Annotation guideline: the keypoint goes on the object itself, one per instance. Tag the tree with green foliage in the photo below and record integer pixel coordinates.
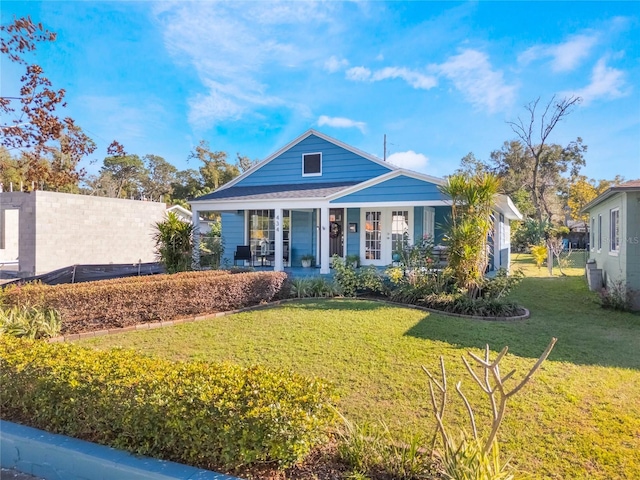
(215, 169)
(468, 227)
(173, 239)
(159, 179)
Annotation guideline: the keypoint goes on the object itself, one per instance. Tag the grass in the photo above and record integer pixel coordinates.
(579, 418)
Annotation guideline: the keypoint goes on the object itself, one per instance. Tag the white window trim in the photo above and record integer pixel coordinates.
(312, 174)
(599, 233)
(592, 235)
(616, 252)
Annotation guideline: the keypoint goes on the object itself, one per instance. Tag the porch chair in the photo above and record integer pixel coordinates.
(243, 252)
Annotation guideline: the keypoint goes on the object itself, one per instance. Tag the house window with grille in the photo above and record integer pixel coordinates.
(311, 164)
(614, 234)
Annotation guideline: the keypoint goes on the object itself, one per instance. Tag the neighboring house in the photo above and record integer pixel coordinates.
(43, 231)
(615, 236)
(186, 216)
(319, 196)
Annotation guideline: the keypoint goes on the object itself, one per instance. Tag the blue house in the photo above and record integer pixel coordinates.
(320, 197)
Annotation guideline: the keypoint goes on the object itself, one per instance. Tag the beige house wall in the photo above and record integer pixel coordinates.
(60, 229)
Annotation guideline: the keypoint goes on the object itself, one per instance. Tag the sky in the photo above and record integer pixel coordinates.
(439, 79)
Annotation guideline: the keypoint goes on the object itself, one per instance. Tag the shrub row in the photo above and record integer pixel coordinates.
(123, 302)
(216, 416)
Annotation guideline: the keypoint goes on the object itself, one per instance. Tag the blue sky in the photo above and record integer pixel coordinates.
(440, 79)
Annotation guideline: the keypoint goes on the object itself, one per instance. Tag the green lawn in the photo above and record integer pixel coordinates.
(579, 418)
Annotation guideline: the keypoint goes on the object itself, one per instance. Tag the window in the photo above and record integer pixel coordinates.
(614, 230)
(599, 232)
(593, 234)
(399, 230)
(262, 231)
(311, 164)
(429, 221)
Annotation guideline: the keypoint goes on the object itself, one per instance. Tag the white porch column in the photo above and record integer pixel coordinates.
(279, 264)
(324, 240)
(195, 253)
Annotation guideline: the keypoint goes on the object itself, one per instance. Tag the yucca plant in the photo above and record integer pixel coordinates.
(173, 239)
(467, 231)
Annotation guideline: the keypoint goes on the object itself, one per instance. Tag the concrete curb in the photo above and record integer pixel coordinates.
(57, 457)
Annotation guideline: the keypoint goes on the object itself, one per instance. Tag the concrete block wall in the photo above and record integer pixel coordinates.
(60, 229)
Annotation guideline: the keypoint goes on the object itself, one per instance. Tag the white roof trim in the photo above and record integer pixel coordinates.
(383, 178)
(180, 209)
(505, 206)
(291, 144)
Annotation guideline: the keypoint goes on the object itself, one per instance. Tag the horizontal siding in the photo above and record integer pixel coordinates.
(302, 238)
(233, 234)
(399, 189)
(353, 239)
(338, 165)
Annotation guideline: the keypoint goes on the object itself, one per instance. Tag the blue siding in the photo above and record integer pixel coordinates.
(418, 224)
(398, 189)
(302, 236)
(338, 165)
(233, 234)
(353, 239)
(441, 219)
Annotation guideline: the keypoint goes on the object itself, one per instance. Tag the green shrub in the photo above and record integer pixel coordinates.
(345, 276)
(539, 253)
(29, 322)
(500, 285)
(208, 415)
(618, 296)
(173, 239)
(462, 304)
(123, 302)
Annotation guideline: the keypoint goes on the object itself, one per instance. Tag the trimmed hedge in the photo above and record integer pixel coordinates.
(123, 302)
(216, 416)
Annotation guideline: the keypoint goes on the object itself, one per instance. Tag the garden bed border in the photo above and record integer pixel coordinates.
(197, 318)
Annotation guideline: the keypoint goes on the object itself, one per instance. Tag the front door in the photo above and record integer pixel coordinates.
(385, 230)
(336, 232)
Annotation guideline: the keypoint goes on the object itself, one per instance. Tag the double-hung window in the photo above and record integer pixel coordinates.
(614, 230)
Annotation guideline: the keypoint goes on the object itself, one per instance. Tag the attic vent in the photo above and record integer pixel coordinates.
(311, 164)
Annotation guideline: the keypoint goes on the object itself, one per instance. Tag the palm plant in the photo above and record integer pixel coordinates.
(173, 239)
(467, 231)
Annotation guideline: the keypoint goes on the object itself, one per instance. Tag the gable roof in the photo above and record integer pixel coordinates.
(299, 139)
(387, 176)
(630, 186)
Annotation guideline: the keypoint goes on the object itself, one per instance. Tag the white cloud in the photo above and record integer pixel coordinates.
(415, 79)
(334, 64)
(234, 47)
(358, 74)
(565, 56)
(409, 160)
(606, 82)
(341, 122)
(472, 74)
